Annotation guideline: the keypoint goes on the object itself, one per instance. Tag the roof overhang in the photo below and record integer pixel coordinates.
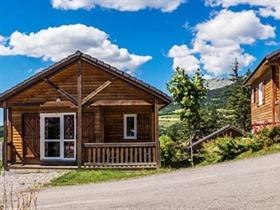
(271, 59)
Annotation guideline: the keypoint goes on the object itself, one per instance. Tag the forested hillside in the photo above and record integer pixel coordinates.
(215, 98)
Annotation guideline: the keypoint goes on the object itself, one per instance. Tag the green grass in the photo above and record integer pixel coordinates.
(1, 139)
(168, 120)
(95, 176)
(275, 148)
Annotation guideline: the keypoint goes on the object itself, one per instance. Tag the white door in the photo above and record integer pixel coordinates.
(58, 136)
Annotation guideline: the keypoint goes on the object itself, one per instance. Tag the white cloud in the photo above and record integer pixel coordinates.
(220, 40)
(267, 8)
(271, 43)
(182, 57)
(56, 43)
(121, 5)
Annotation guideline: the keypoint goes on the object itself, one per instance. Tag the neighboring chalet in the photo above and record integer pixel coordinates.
(81, 112)
(228, 130)
(265, 99)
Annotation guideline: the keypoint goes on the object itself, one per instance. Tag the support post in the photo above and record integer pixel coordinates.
(4, 146)
(156, 132)
(79, 114)
(273, 90)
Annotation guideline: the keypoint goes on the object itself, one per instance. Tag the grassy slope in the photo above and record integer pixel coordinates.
(96, 176)
(275, 148)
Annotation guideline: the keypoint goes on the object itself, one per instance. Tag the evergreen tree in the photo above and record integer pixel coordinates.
(234, 76)
(239, 100)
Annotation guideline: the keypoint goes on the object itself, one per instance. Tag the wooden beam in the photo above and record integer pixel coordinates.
(79, 114)
(273, 90)
(58, 104)
(96, 91)
(25, 104)
(4, 149)
(62, 92)
(10, 136)
(121, 103)
(156, 132)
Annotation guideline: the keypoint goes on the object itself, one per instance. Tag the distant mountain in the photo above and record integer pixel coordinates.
(217, 83)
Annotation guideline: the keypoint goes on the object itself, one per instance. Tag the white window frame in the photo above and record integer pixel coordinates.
(61, 140)
(125, 126)
(261, 94)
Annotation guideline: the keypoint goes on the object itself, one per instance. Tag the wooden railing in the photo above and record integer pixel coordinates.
(122, 155)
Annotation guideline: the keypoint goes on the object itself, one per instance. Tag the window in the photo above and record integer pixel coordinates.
(261, 94)
(58, 133)
(130, 126)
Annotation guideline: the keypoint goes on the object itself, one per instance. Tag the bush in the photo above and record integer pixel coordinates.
(270, 133)
(174, 154)
(167, 149)
(220, 150)
(228, 148)
(176, 132)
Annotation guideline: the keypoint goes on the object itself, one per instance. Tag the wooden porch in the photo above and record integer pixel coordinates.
(120, 155)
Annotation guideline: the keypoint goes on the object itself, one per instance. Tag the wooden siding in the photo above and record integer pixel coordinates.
(113, 123)
(263, 113)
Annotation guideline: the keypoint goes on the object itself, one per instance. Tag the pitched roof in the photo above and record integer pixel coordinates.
(87, 58)
(214, 134)
(266, 58)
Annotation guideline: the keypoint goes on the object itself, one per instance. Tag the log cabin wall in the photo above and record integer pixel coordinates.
(262, 113)
(113, 123)
(106, 123)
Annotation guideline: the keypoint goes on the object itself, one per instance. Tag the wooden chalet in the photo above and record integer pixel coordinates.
(82, 112)
(265, 98)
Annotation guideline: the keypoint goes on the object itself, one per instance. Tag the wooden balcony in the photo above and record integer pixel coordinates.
(120, 155)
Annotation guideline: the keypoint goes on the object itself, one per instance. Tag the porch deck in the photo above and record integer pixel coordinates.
(107, 156)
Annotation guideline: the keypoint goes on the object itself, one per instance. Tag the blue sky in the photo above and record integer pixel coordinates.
(144, 38)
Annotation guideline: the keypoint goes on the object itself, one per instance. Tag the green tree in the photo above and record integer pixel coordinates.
(188, 92)
(239, 101)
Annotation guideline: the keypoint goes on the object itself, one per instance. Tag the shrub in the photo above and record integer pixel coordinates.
(228, 148)
(176, 132)
(167, 150)
(173, 154)
(221, 149)
(270, 133)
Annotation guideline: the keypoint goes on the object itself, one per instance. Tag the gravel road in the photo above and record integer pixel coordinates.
(247, 184)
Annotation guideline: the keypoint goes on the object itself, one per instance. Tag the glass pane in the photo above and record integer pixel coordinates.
(130, 129)
(69, 148)
(69, 127)
(52, 128)
(52, 149)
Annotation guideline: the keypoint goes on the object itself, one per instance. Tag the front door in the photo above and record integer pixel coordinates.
(58, 136)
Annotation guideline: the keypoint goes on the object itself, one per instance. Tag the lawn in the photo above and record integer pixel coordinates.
(95, 176)
(168, 120)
